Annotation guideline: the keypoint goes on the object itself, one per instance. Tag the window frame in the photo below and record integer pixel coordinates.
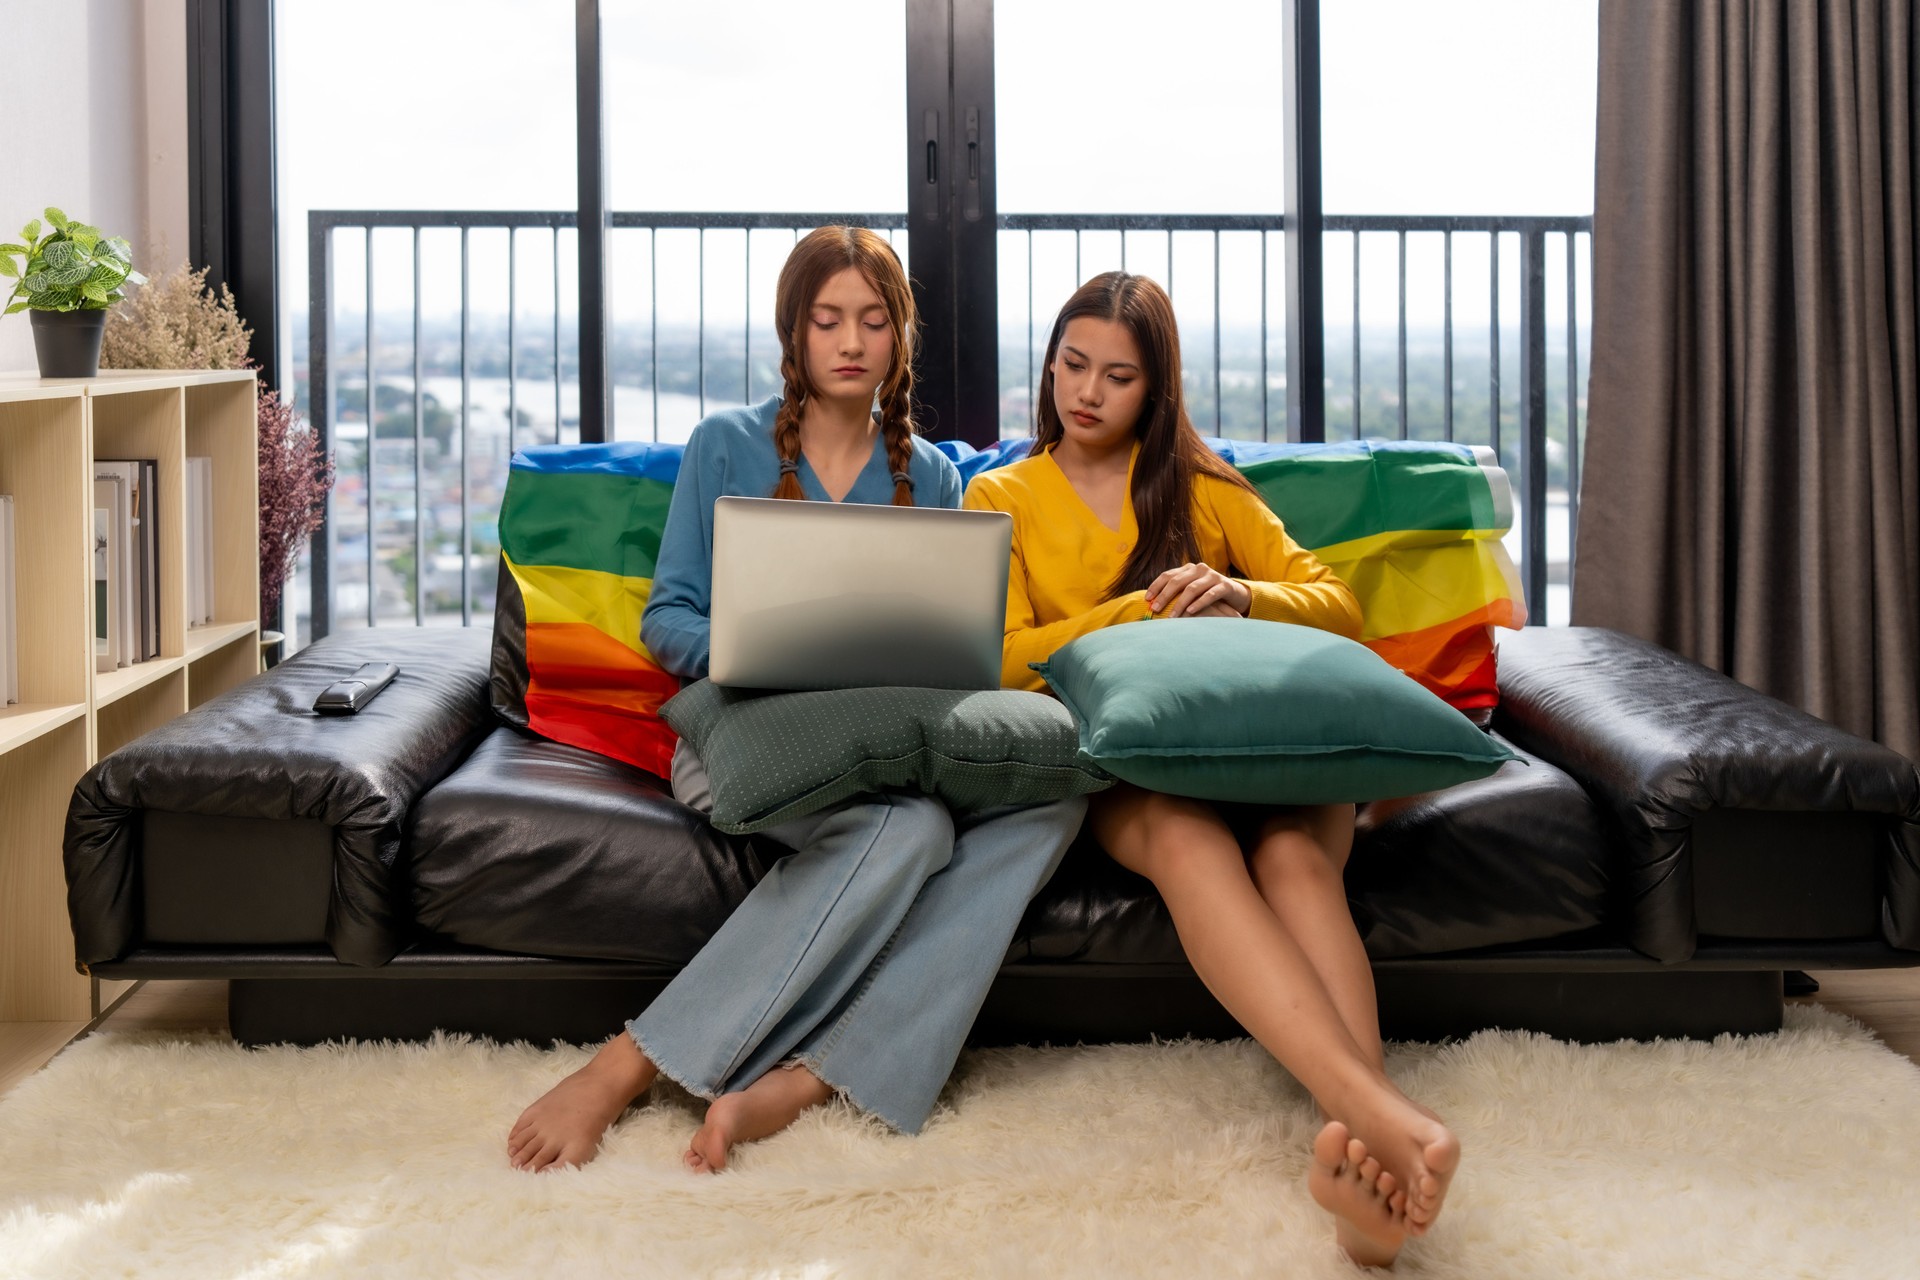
(949, 58)
(949, 173)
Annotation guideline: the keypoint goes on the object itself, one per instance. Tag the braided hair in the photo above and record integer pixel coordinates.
(817, 258)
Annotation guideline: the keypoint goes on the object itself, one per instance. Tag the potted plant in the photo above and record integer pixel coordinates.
(67, 279)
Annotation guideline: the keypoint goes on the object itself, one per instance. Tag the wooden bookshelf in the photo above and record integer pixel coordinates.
(69, 716)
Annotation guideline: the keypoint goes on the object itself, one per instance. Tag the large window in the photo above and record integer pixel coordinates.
(1173, 118)
(385, 107)
(733, 107)
(1010, 151)
(1473, 115)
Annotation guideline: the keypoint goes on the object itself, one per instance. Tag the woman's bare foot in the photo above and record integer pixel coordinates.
(1409, 1142)
(758, 1111)
(1368, 1206)
(563, 1128)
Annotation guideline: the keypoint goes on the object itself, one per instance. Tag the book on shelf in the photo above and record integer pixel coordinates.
(206, 534)
(143, 580)
(150, 538)
(190, 543)
(106, 632)
(9, 607)
(125, 603)
(199, 542)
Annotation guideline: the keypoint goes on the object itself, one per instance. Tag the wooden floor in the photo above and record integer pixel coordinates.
(1887, 1000)
(157, 1006)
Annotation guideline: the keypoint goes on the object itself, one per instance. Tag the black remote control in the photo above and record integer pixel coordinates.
(344, 697)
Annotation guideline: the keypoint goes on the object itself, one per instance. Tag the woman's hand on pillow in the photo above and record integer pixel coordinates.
(1198, 590)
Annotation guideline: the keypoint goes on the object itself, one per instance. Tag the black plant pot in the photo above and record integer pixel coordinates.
(67, 343)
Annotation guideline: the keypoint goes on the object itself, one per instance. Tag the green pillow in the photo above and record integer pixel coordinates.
(775, 756)
(1264, 712)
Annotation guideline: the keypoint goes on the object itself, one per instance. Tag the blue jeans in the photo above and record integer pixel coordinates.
(865, 955)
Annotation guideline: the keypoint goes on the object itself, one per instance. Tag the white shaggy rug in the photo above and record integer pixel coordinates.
(1789, 1155)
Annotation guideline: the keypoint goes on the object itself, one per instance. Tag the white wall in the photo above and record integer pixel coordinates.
(99, 131)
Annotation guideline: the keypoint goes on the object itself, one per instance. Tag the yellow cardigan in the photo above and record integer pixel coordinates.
(1064, 558)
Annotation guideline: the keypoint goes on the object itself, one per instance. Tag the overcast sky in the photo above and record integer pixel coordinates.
(1468, 106)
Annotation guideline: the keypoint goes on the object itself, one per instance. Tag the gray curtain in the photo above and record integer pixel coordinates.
(1751, 491)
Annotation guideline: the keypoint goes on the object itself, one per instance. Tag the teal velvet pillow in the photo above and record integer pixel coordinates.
(775, 756)
(1263, 712)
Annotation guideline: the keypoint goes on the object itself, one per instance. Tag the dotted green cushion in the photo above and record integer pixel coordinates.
(771, 757)
(1262, 712)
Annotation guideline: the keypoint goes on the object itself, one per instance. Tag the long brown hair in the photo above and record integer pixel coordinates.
(1171, 451)
(822, 254)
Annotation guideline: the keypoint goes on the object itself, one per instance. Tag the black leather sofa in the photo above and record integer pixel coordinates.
(1669, 844)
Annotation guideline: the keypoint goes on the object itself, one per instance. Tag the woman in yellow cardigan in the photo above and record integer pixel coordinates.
(1122, 514)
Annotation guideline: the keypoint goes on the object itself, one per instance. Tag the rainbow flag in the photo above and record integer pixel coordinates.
(579, 534)
(1414, 527)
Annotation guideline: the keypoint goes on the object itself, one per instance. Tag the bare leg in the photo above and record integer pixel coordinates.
(758, 1111)
(1254, 966)
(564, 1126)
(1297, 866)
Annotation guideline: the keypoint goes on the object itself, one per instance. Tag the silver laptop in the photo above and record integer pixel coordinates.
(824, 595)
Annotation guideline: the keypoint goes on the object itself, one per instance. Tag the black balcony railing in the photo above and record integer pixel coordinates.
(422, 481)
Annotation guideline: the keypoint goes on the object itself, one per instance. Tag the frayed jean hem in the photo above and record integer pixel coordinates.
(667, 1069)
(812, 1064)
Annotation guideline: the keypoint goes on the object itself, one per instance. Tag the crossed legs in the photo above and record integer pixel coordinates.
(1270, 934)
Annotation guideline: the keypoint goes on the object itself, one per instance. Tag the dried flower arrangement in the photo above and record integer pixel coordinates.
(178, 322)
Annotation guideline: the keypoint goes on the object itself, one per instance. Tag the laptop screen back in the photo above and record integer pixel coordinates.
(818, 595)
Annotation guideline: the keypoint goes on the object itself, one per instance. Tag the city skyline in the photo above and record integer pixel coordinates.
(1413, 101)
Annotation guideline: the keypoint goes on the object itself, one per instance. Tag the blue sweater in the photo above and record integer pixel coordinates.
(732, 452)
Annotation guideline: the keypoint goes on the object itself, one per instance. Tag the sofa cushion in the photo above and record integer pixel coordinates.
(544, 849)
(1515, 857)
(1521, 856)
(772, 757)
(1262, 712)
(540, 849)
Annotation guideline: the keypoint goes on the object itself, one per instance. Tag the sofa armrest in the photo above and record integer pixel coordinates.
(1660, 741)
(259, 752)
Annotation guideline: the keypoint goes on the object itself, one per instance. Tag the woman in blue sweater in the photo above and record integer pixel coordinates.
(858, 964)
